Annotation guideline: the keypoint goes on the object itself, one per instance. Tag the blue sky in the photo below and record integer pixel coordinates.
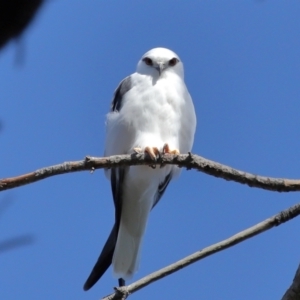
(242, 68)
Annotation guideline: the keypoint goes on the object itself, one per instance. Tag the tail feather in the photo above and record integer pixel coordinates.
(132, 228)
(127, 254)
(104, 260)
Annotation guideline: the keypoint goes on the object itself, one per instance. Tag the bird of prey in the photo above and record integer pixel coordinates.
(151, 112)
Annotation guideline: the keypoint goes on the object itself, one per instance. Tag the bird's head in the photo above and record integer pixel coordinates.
(158, 62)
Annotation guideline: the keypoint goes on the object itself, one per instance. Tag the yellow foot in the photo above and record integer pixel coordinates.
(166, 149)
(137, 150)
(153, 152)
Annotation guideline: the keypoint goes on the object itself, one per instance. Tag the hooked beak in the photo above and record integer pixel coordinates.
(160, 67)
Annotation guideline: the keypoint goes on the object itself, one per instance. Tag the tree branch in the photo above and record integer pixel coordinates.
(189, 161)
(283, 216)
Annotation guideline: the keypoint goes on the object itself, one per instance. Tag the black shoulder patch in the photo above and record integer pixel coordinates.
(121, 90)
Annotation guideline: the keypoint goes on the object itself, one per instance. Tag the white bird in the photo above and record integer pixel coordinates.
(151, 112)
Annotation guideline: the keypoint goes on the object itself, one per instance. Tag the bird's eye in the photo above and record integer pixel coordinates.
(148, 61)
(173, 61)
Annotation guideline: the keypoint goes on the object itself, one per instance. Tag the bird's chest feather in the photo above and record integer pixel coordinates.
(155, 108)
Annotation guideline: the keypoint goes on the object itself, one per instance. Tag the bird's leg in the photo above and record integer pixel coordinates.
(121, 282)
(166, 149)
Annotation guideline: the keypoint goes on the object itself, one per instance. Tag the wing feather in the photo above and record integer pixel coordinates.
(122, 89)
(161, 189)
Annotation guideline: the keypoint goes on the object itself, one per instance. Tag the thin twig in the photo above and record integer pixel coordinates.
(189, 161)
(269, 223)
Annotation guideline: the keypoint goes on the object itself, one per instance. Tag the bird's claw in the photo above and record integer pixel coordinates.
(152, 152)
(137, 150)
(166, 150)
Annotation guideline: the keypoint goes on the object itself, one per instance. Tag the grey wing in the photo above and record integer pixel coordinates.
(161, 188)
(117, 181)
(118, 136)
(122, 89)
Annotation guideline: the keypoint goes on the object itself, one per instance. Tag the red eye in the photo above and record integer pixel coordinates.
(173, 61)
(148, 61)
